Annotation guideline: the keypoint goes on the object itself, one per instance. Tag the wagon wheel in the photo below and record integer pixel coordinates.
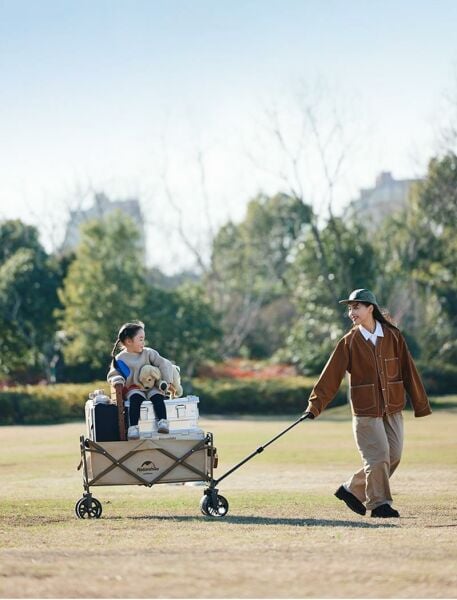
(88, 508)
(218, 509)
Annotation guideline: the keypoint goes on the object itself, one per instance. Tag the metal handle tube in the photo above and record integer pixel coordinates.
(258, 451)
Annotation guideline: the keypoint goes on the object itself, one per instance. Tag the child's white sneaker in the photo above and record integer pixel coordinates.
(162, 426)
(133, 432)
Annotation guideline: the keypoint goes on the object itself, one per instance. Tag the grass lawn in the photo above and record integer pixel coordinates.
(285, 535)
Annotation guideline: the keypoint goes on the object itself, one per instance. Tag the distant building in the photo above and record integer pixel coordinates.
(385, 198)
(102, 207)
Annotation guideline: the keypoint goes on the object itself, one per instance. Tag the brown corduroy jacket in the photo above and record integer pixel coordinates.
(378, 376)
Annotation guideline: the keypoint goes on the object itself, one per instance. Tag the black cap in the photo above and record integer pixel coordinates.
(360, 295)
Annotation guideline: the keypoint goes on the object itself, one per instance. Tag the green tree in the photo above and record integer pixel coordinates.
(248, 274)
(29, 279)
(104, 288)
(437, 264)
(182, 325)
(419, 249)
(107, 284)
(350, 262)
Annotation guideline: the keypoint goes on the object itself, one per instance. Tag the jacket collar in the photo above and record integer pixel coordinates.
(378, 332)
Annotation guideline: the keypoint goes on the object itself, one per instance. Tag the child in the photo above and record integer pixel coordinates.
(125, 369)
(381, 369)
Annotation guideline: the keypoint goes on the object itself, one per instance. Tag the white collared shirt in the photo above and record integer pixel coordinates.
(378, 332)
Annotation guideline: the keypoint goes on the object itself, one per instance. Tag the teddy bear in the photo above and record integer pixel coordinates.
(150, 376)
(175, 386)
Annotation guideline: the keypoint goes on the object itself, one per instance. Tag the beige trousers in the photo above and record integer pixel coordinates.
(380, 443)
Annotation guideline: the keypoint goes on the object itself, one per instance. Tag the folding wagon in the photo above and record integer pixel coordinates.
(178, 457)
(148, 462)
(184, 455)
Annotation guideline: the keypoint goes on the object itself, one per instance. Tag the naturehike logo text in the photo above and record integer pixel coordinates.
(147, 467)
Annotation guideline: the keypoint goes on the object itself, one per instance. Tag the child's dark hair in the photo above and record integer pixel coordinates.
(128, 330)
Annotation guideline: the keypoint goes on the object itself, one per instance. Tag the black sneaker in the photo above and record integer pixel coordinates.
(385, 511)
(352, 502)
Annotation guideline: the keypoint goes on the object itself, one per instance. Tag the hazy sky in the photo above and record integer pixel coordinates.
(121, 96)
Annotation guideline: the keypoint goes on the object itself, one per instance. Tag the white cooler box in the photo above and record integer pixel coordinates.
(182, 415)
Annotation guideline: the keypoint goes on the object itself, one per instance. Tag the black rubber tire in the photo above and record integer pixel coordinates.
(88, 509)
(207, 507)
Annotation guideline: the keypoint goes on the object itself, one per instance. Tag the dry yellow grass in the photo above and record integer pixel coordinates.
(285, 534)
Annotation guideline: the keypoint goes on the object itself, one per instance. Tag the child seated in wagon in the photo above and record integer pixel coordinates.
(125, 369)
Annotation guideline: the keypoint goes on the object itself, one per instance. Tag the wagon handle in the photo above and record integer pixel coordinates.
(258, 450)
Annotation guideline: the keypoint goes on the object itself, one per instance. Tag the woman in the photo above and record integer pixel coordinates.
(381, 369)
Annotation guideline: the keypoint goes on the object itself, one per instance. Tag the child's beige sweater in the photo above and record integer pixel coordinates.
(134, 362)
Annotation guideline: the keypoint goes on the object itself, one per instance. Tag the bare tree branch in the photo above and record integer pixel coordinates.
(313, 138)
(204, 189)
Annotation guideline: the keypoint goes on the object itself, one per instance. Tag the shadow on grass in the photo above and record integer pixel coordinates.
(291, 522)
(39, 520)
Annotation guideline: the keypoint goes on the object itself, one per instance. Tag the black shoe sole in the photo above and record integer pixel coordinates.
(382, 515)
(351, 501)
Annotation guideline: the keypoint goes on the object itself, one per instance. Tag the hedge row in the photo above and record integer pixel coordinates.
(278, 396)
(439, 379)
(42, 405)
(59, 403)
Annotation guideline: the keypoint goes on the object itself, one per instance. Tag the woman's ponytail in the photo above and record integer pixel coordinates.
(383, 316)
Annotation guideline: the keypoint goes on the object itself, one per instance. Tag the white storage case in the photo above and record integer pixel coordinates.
(182, 413)
(148, 430)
